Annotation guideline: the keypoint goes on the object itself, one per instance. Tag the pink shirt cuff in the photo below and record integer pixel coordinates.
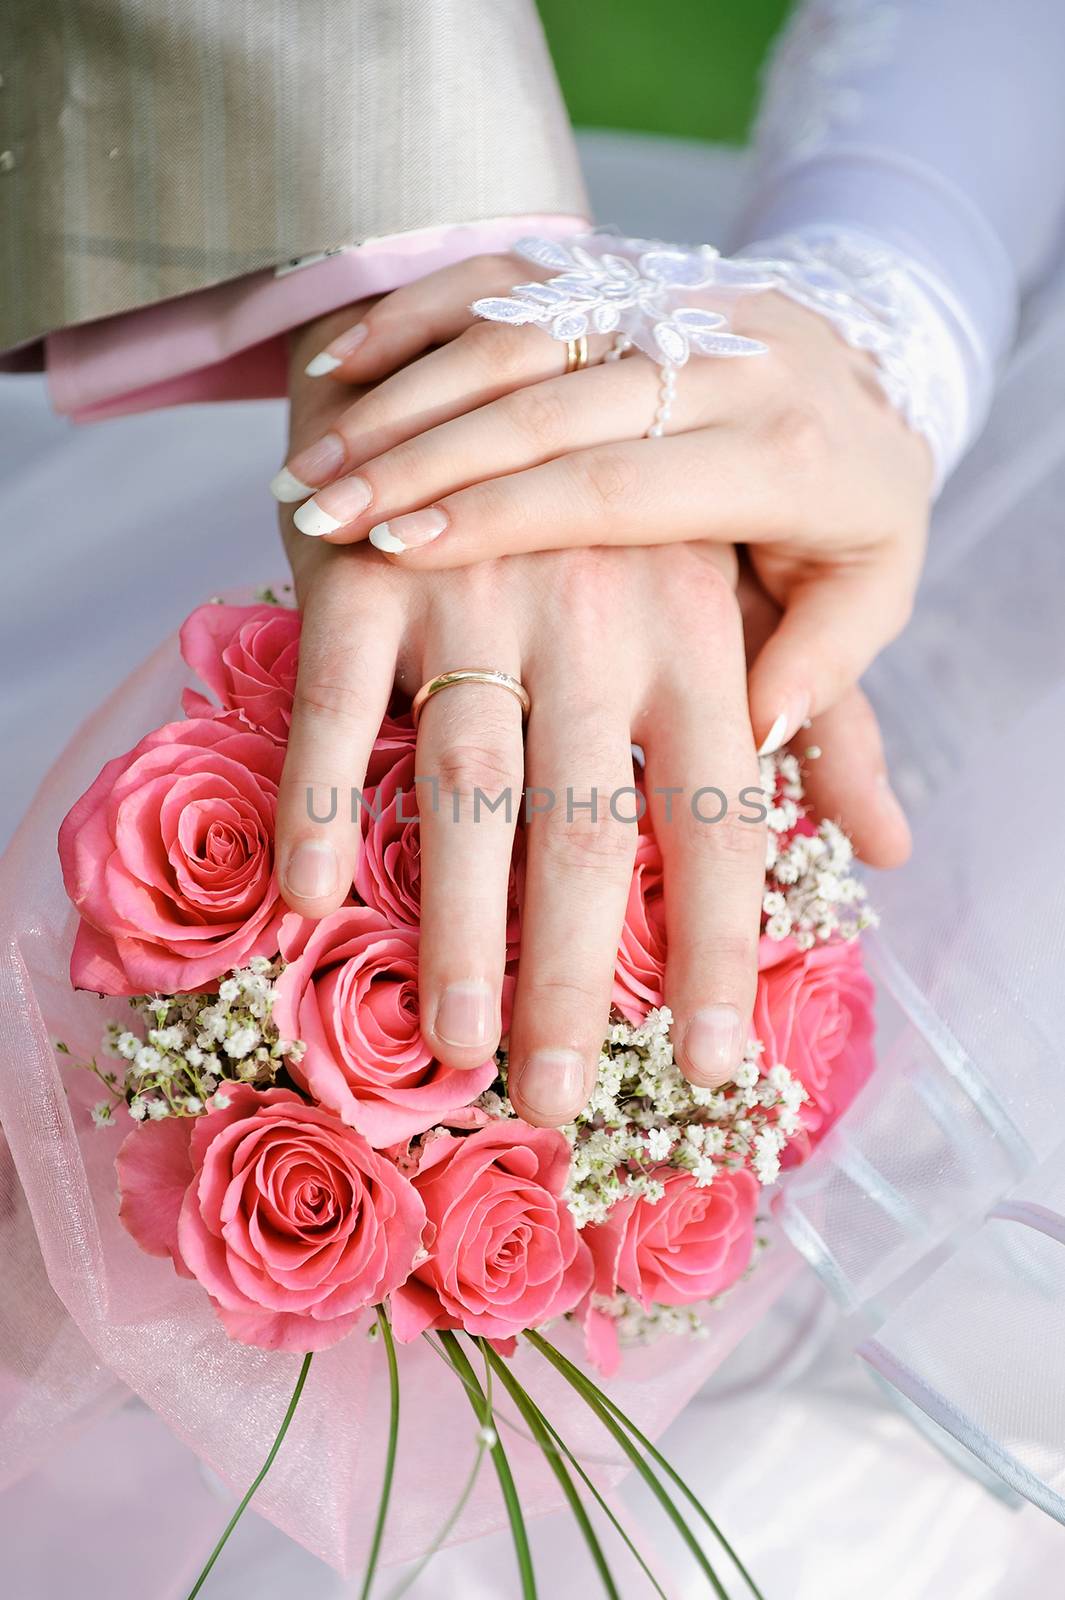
(227, 342)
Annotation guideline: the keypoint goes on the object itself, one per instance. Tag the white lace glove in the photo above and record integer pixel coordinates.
(877, 299)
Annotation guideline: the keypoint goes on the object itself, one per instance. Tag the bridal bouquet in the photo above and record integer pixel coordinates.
(294, 1148)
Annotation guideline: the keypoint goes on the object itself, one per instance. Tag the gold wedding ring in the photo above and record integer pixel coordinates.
(576, 354)
(444, 680)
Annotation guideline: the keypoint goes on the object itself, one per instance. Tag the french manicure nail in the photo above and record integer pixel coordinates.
(312, 870)
(713, 1043)
(313, 521)
(345, 344)
(286, 487)
(786, 725)
(465, 1016)
(320, 461)
(775, 737)
(320, 364)
(347, 499)
(407, 533)
(551, 1083)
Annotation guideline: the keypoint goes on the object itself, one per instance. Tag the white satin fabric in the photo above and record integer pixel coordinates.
(935, 1214)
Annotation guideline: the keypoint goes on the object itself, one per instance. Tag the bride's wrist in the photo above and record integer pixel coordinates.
(884, 302)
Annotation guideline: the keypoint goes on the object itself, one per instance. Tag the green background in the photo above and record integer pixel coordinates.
(682, 67)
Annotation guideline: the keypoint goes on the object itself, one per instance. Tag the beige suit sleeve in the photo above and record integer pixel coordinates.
(153, 147)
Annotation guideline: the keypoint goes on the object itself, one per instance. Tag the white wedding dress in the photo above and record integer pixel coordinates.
(934, 1224)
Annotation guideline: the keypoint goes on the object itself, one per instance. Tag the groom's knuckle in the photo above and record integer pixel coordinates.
(328, 700)
(335, 684)
(707, 591)
(581, 832)
(728, 839)
(476, 766)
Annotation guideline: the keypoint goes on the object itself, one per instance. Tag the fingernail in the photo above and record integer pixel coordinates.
(286, 487)
(320, 364)
(346, 344)
(320, 461)
(551, 1083)
(713, 1043)
(407, 533)
(313, 521)
(786, 725)
(465, 1016)
(346, 499)
(312, 870)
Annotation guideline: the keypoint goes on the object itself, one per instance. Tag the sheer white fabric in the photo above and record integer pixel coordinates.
(936, 127)
(937, 1215)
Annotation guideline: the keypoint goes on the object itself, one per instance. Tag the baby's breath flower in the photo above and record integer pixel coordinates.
(644, 1115)
(147, 1060)
(195, 1043)
(241, 1042)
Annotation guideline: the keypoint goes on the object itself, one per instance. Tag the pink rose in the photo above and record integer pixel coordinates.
(287, 1218)
(169, 859)
(505, 1254)
(388, 873)
(690, 1245)
(247, 656)
(350, 992)
(814, 1013)
(641, 959)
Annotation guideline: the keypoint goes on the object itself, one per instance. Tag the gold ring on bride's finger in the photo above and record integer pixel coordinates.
(491, 675)
(576, 354)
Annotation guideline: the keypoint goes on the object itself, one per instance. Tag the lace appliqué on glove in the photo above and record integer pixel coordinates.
(630, 287)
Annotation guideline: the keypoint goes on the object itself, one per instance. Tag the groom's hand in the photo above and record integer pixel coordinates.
(612, 646)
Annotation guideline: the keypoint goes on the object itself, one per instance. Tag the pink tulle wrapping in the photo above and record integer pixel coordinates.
(91, 1317)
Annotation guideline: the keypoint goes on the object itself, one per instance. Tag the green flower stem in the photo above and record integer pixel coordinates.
(483, 1411)
(535, 1424)
(688, 1493)
(263, 1470)
(390, 1453)
(604, 1507)
(661, 1461)
(591, 1396)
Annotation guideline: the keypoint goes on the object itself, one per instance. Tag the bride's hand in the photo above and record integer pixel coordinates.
(612, 646)
(481, 447)
(848, 781)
